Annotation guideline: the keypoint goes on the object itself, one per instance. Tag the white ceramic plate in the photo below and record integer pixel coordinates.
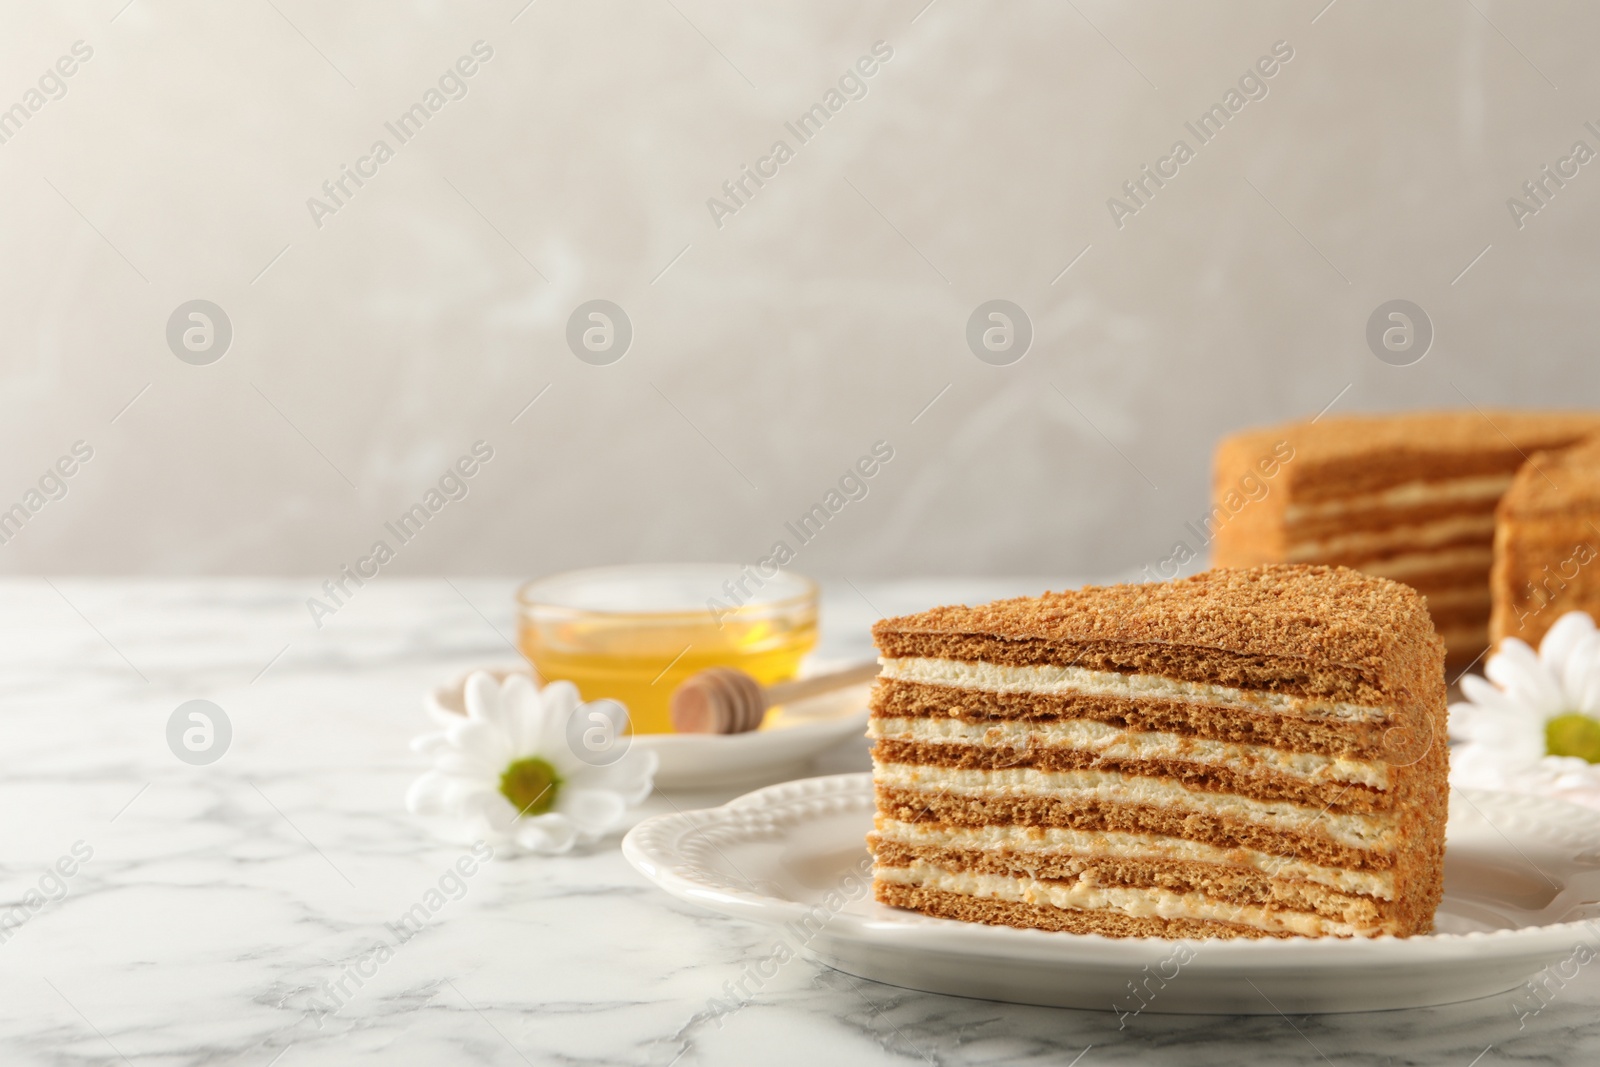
(788, 740)
(1522, 877)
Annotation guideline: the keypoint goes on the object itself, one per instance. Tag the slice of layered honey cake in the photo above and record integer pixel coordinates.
(1245, 753)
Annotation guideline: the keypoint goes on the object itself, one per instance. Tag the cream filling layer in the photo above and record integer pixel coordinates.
(1114, 844)
(1484, 488)
(1112, 742)
(1050, 680)
(1376, 832)
(1420, 536)
(1135, 903)
(1415, 564)
(1475, 596)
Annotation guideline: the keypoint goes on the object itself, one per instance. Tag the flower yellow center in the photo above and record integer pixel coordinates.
(1573, 734)
(531, 785)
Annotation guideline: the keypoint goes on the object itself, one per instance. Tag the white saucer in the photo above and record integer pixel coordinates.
(1522, 886)
(783, 747)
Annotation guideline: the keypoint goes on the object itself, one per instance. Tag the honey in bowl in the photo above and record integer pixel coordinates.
(634, 633)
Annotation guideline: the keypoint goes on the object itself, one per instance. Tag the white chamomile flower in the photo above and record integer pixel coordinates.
(1533, 725)
(508, 766)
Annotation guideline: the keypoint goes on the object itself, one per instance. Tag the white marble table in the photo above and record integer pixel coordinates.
(219, 899)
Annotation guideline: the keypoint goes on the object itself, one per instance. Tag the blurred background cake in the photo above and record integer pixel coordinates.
(1547, 536)
(1410, 497)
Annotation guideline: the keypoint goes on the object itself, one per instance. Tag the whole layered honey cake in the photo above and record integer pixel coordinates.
(1410, 497)
(1547, 541)
(1245, 753)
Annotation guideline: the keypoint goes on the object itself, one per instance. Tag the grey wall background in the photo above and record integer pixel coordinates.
(772, 351)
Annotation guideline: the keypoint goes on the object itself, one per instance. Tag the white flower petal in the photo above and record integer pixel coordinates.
(482, 696)
(483, 741)
(468, 764)
(1475, 767)
(441, 717)
(526, 719)
(494, 809)
(567, 742)
(594, 811)
(1586, 693)
(1563, 637)
(1582, 664)
(1516, 669)
(561, 700)
(1569, 770)
(426, 795)
(438, 793)
(1521, 749)
(1513, 655)
(1514, 737)
(1469, 722)
(550, 833)
(1482, 693)
(631, 777)
(432, 744)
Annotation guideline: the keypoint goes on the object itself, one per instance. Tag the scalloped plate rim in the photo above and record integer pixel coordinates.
(977, 939)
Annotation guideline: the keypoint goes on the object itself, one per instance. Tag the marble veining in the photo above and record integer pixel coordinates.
(253, 911)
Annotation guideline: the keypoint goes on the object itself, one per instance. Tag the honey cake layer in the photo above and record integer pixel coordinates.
(1409, 848)
(1336, 464)
(1365, 842)
(1455, 531)
(1343, 456)
(1416, 499)
(1450, 597)
(1093, 740)
(1374, 522)
(1397, 741)
(1008, 906)
(1195, 776)
(1417, 568)
(1050, 847)
(1325, 632)
(1159, 883)
(995, 912)
(1069, 679)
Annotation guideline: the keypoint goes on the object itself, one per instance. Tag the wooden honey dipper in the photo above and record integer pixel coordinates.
(725, 700)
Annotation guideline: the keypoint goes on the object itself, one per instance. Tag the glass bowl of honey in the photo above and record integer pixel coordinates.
(633, 633)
